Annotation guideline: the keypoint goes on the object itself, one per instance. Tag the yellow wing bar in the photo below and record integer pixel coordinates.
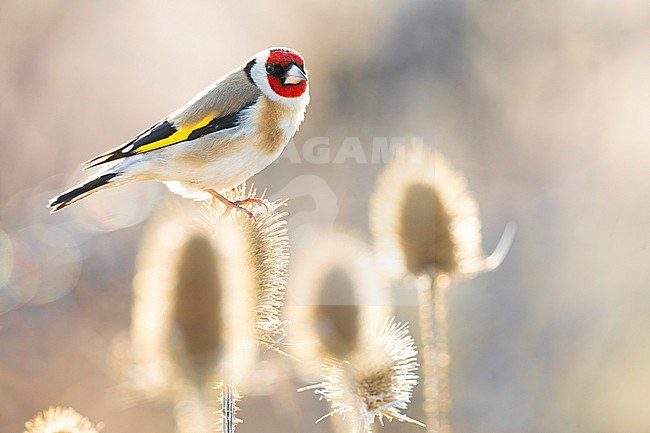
(178, 136)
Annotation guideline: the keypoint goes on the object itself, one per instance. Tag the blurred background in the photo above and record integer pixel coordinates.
(543, 105)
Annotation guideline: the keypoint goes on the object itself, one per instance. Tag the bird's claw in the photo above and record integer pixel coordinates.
(253, 200)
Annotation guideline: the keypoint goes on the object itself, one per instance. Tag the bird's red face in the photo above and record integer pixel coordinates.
(285, 72)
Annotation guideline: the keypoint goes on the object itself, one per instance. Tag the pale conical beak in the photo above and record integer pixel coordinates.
(294, 76)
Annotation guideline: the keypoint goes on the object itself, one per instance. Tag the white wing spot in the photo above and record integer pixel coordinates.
(127, 149)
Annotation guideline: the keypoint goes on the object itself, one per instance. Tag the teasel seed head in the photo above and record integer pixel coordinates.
(335, 291)
(61, 420)
(423, 216)
(262, 244)
(376, 381)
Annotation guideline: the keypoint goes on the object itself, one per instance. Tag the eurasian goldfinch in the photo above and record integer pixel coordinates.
(230, 131)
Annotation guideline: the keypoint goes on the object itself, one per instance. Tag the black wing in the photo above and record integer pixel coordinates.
(164, 134)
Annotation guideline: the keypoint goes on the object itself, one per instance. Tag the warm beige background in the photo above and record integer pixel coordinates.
(544, 106)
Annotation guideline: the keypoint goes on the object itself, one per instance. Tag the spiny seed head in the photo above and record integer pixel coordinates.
(376, 381)
(262, 244)
(423, 216)
(336, 289)
(61, 420)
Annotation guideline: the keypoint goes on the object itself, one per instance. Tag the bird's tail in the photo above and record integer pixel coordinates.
(84, 189)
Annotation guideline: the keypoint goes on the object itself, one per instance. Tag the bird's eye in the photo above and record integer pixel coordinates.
(271, 68)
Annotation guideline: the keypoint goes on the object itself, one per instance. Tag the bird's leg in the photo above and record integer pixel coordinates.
(229, 204)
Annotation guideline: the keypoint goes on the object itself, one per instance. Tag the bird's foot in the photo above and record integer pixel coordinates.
(230, 205)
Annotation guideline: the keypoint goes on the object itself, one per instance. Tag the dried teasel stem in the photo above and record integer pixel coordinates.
(426, 288)
(432, 288)
(230, 396)
(228, 407)
(442, 359)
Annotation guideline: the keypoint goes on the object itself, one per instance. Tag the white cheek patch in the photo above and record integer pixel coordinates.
(258, 73)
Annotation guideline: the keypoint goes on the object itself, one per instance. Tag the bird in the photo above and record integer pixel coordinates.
(228, 132)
